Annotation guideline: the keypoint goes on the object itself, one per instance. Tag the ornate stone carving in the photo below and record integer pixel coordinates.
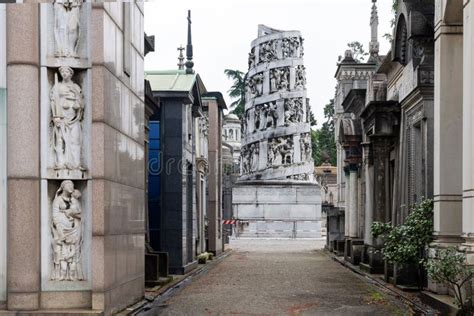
(252, 58)
(249, 158)
(268, 52)
(254, 87)
(293, 111)
(276, 115)
(66, 232)
(204, 125)
(300, 81)
(67, 27)
(67, 109)
(279, 79)
(265, 116)
(280, 151)
(305, 147)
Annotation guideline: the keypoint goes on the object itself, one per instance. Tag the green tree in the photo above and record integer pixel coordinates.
(358, 51)
(237, 91)
(323, 139)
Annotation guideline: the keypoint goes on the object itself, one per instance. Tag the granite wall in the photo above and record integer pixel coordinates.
(108, 77)
(3, 159)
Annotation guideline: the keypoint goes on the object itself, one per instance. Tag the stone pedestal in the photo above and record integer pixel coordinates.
(285, 210)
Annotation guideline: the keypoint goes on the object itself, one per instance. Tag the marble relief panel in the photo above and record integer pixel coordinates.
(64, 36)
(65, 235)
(65, 120)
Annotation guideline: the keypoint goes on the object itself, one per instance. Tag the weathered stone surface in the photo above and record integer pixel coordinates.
(277, 191)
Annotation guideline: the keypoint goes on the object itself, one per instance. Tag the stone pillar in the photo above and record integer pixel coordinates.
(346, 203)
(353, 201)
(468, 131)
(23, 261)
(448, 127)
(369, 195)
(3, 158)
(381, 148)
(215, 179)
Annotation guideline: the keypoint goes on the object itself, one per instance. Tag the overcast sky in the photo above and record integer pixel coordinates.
(223, 29)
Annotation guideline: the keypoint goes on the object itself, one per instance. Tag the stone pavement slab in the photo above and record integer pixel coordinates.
(278, 277)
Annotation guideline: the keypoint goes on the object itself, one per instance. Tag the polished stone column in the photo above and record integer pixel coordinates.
(346, 202)
(353, 200)
(448, 127)
(23, 160)
(468, 131)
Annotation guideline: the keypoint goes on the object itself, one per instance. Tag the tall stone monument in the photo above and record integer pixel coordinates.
(277, 195)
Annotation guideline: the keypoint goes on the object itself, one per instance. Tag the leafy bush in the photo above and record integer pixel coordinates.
(449, 267)
(406, 243)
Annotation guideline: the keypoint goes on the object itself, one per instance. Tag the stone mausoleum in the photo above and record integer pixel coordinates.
(72, 170)
(277, 195)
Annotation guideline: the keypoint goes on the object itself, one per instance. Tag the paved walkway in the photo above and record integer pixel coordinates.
(278, 277)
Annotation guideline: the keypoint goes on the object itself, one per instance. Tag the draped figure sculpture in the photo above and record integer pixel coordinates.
(67, 109)
(67, 27)
(66, 230)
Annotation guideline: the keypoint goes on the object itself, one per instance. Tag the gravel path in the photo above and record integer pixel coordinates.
(278, 277)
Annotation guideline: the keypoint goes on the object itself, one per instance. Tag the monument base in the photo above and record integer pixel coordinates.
(277, 210)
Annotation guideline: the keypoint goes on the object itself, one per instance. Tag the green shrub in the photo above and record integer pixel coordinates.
(449, 267)
(406, 243)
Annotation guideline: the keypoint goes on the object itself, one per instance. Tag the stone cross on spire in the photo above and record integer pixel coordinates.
(374, 41)
(181, 57)
(189, 48)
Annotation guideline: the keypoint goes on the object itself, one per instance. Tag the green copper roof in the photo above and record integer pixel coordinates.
(173, 81)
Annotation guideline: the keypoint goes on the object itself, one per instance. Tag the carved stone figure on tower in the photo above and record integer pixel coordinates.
(66, 231)
(67, 109)
(300, 81)
(267, 52)
(67, 27)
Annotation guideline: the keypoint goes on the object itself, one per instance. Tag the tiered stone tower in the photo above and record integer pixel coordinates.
(277, 195)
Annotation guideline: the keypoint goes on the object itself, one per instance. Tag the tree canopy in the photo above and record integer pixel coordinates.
(237, 91)
(323, 139)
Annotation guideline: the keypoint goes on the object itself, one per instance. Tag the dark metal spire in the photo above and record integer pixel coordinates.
(189, 48)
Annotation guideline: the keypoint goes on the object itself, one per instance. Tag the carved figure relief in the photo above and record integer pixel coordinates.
(204, 125)
(280, 151)
(271, 115)
(249, 158)
(67, 27)
(305, 147)
(293, 111)
(252, 58)
(267, 52)
(254, 87)
(300, 81)
(67, 109)
(279, 79)
(66, 231)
